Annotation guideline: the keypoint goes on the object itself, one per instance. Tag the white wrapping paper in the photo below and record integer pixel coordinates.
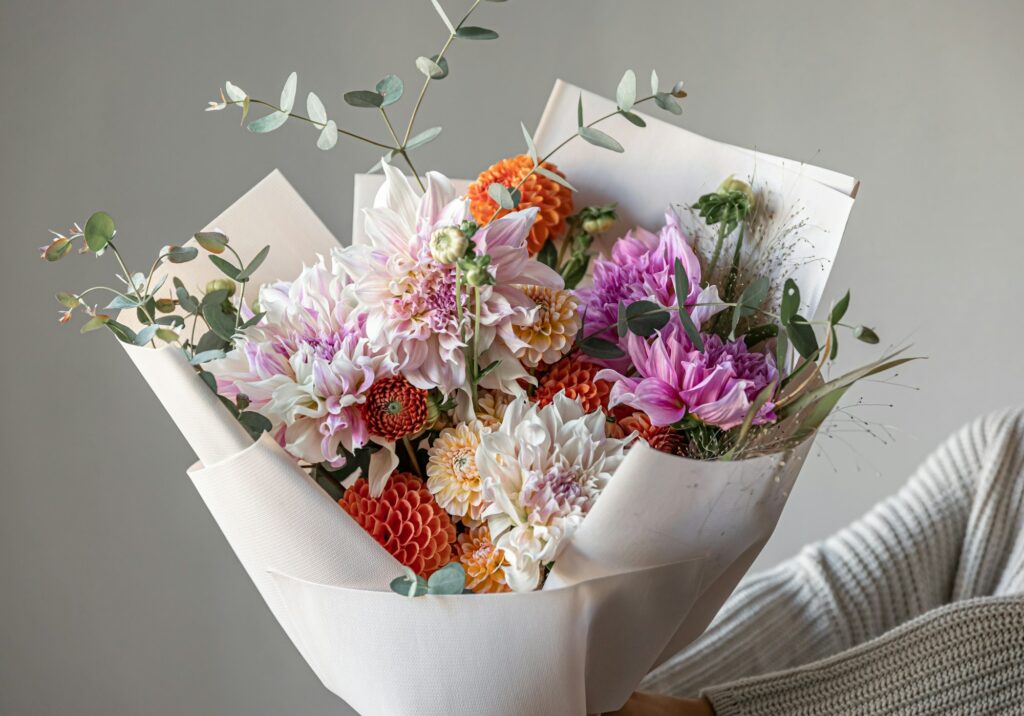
(653, 561)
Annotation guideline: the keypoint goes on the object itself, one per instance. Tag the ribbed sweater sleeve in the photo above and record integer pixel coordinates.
(955, 532)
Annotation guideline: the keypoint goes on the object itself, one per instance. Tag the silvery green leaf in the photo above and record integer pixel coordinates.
(600, 139)
(97, 321)
(328, 136)
(555, 178)
(364, 98)
(625, 95)
(469, 32)
(654, 82)
(258, 259)
(146, 335)
(501, 195)
(427, 135)
(790, 301)
(288, 93)
(450, 579)
(380, 162)
(444, 16)
(246, 104)
(839, 309)
(529, 144)
(226, 268)
(390, 88)
(865, 334)
(213, 241)
(315, 109)
(268, 123)
(635, 119)
(207, 356)
(668, 103)
(234, 93)
(409, 585)
(179, 254)
(600, 348)
(430, 68)
(99, 230)
(121, 303)
(579, 111)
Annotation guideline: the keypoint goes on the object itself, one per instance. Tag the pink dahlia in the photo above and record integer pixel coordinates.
(642, 267)
(409, 297)
(307, 366)
(673, 379)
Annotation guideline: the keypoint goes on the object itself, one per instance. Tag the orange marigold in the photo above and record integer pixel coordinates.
(553, 200)
(576, 377)
(405, 520)
(482, 562)
(395, 408)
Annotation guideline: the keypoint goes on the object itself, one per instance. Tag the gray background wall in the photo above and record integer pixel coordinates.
(118, 594)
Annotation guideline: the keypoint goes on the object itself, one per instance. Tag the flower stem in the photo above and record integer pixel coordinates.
(715, 254)
(345, 132)
(412, 455)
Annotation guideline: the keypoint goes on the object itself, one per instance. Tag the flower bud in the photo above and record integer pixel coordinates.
(221, 284)
(677, 90)
(598, 224)
(448, 244)
(731, 184)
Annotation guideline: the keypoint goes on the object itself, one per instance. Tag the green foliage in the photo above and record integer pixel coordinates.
(600, 139)
(449, 579)
(99, 231)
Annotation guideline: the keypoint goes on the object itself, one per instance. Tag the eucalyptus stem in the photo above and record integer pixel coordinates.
(426, 83)
(135, 289)
(345, 132)
(402, 150)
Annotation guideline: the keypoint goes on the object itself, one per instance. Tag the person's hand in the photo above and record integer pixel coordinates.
(641, 704)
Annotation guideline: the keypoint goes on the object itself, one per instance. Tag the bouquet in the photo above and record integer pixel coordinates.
(498, 454)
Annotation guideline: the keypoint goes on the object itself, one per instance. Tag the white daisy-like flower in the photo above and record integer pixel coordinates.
(542, 471)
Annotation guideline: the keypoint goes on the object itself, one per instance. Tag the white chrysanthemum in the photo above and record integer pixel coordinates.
(451, 471)
(542, 470)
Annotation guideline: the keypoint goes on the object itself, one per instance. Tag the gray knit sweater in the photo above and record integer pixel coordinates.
(918, 608)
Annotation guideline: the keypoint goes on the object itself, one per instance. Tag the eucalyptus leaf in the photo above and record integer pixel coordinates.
(865, 335)
(226, 268)
(315, 109)
(288, 92)
(436, 68)
(548, 254)
(444, 16)
(834, 340)
(206, 356)
(328, 136)
(145, 335)
(210, 341)
(557, 178)
(427, 135)
(600, 139)
(801, 335)
(600, 348)
(391, 89)
(839, 309)
(123, 332)
(220, 322)
(166, 335)
(186, 301)
(757, 334)
(750, 300)
(530, 146)
(668, 103)
(654, 82)
(97, 321)
(120, 303)
(682, 283)
(781, 350)
(257, 260)
(643, 318)
(450, 579)
(469, 32)
(635, 119)
(579, 112)
(364, 99)
(246, 105)
(58, 249)
(691, 330)
(501, 195)
(99, 231)
(790, 301)
(409, 586)
(71, 301)
(181, 254)
(268, 123)
(234, 92)
(213, 241)
(621, 327)
(625, 94)
(388, 156)
(254, 423)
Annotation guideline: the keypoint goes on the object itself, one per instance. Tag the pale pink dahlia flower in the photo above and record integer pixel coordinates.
(409, 297)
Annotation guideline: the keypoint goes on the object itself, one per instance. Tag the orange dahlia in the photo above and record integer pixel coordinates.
(663, 439)
(550, 335)
(553, 200)
(395, 408)
(576, 377)
(405, 520)
(482, 562)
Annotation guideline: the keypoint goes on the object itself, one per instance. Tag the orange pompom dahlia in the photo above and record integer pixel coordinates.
(482, 562)
(395, 408)
(405, 520)
(553, 200)
(663, 439)
(576, 377)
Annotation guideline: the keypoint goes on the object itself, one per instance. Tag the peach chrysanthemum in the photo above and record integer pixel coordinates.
(405, 520)
(452, 477)
(576, 377)
(482, 562)
(553, 200)
(551, 334)
(491, 406)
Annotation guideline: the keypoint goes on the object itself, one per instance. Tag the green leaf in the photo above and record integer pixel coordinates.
(502, 196)
(256, 318)
(146, 335)
(760, 333)
(220, 322)
(364, 98)
(71, 301)
(834, 350)
(554, 177)
(246, 105)
(206, 356)
(388, 156)
(123, 332)
(121, 303)
(488, 369)
(186, 301)
(790, 301)
(801, 335)
(226, 268)
(57, 249)
(444, 16)
(427, 135)
(579, 112)
(450, 579)
(257, 260)
(410, 585)
(839, 309)
(654, 82)
(436, 68)
(391, 89)
(213, 241)
(469, 32)
(600, 139)
(99, 230)
(625, 94)
(234, 92)
(180, 254)
(328, 136)
(643, 318)
(315, 109)
(268, 123)
(781, 351)
(530, 147)
(682, 284)
(209, 380)
(288, 93)
(750, 300)
(97, 321)
(691, 330)
(548, 254)
(635, 119)
(166, 335)
(668, 103)
(254, 423)
(600, 348)
(210, 341)
(865, 335)
(748, 420)
(621, 327)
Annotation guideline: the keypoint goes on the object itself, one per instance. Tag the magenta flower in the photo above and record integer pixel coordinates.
(673, 380)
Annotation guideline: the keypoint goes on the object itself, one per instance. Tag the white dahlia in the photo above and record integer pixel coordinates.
(542, 470)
